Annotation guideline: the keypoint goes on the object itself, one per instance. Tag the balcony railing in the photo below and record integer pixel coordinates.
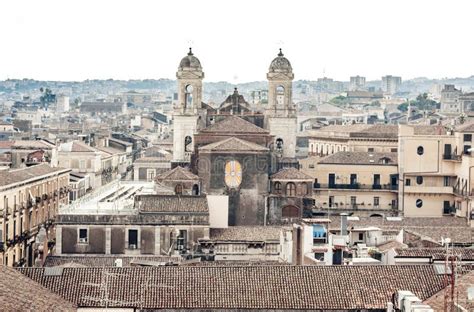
(356, 186)
(452, 157)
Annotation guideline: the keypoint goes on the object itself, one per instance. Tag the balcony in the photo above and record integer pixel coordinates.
(448, 210)
(453, 157)
(356, 186)
(429, 189)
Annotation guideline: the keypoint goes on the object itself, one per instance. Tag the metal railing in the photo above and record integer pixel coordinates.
(452, 157)
(356, 186)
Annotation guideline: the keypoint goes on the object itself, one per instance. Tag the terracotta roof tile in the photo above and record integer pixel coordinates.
(465, 254)
(242, 287)
(103, 260)
(233, 124)
(247, 233)
(8, 177)
(19, 293)
(172, 203)
(291, 174)
(436, 302)
(177, 174)
(361, 158)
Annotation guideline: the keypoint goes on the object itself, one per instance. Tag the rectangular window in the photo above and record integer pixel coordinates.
(376, 202)
(376, 180)
(132, 239)
(182, 240)
(407, 182)
(394, 150)
(447, 151)
(82, 164)
(353, 178)
(446, 207)
(466, 149)
(370, 150)
(467, 137)
(361, 236)
(446, 181)
(353, 202)
(83, 236)
(319, 256)
(332, 179)
(331, 201)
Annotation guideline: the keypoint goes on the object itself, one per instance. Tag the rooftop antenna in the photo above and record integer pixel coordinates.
(103, 286)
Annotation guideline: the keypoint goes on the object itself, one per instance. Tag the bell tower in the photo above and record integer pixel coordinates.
(188, 115)
(280, 115)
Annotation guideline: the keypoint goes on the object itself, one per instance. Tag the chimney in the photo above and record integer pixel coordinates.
(343, 223)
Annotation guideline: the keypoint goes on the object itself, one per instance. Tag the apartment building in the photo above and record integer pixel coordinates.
(364, 183)
(435, 170)
(31, 197)
(356, 138)
(152, 225)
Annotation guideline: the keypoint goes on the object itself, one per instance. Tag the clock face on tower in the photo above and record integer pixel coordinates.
(233, 174)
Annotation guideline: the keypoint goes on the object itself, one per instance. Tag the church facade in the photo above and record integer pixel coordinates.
(234, 149)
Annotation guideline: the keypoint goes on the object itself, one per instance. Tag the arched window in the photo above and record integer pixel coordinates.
(277, 188)
(290, 212)
(195, 190)
(187, 143)
(279, 144)
(280, 95)
(188, 96)
(178, 189)
(290, 189)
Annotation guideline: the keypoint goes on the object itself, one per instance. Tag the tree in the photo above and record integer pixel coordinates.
(422, 102)
(47, 98)
(403, 107)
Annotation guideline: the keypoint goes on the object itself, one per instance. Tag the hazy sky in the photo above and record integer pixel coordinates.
(235, 40)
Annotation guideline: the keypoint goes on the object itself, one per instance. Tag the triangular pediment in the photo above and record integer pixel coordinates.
(233, 144)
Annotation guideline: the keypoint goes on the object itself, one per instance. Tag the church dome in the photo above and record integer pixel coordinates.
(190, 62)
(280, 64)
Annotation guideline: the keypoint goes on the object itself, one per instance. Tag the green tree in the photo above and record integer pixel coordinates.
(47, 98)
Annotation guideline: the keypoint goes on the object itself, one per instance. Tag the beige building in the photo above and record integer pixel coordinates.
(355, 138)
(435, 169)
(363, 183)
(30, 200)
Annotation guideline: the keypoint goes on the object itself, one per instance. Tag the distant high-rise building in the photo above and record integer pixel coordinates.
(390, 84)
(357, 83)
(328, 85)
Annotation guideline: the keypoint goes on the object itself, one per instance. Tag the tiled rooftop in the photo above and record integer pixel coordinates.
(234, 124)
(242, 287)
(464, 254)
(171, 203)
(436, 302)
(247, 233)
(103, 260)
(177, 174)
(8, 177)
(361, 158)
(19, 293)
(435, 228)
(291, 174)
